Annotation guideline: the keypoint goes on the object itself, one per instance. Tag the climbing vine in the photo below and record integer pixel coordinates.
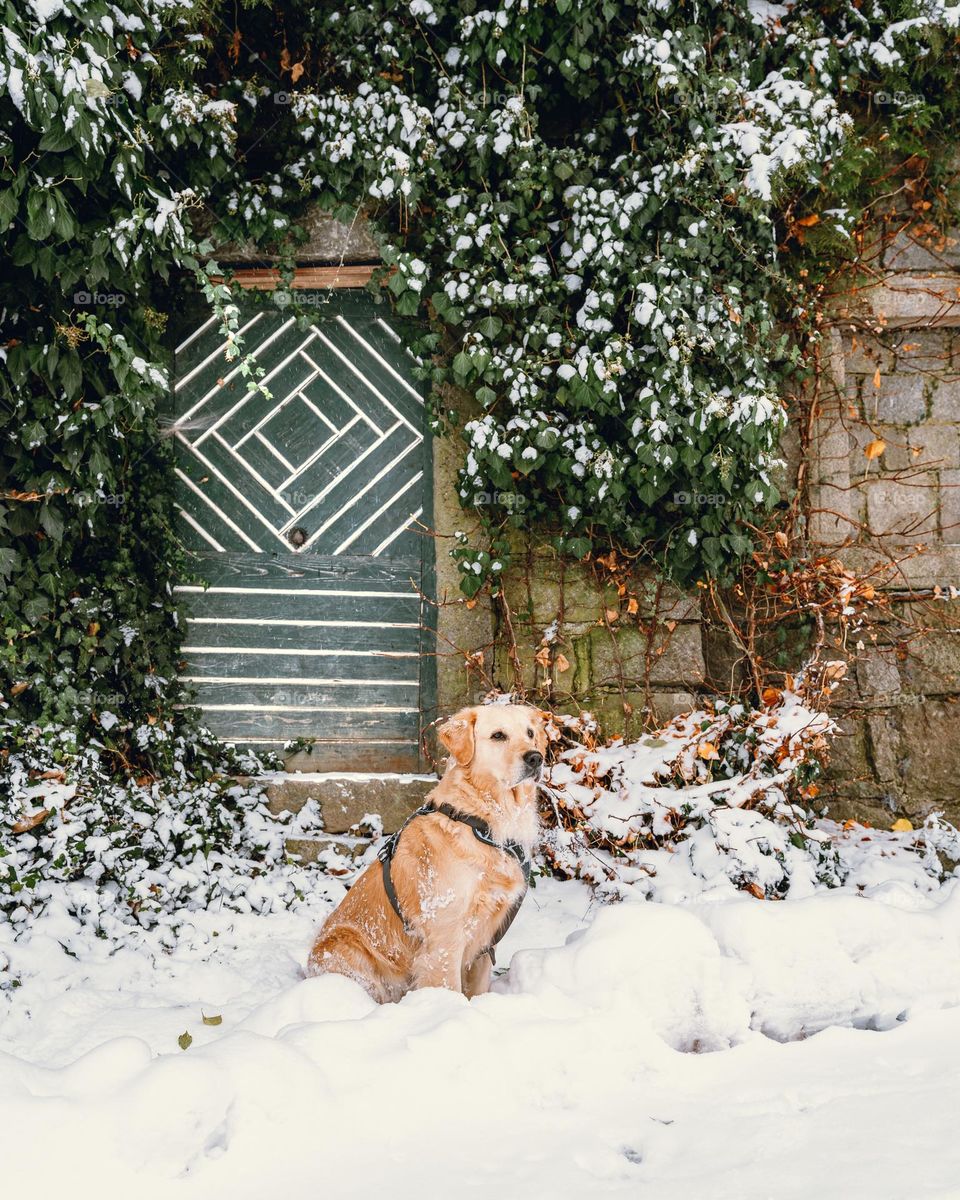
(602, 216)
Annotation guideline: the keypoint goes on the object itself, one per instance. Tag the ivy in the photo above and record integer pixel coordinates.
(584, 206)
(586, 209)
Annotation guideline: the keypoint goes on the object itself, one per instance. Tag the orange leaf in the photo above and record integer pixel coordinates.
(18, 688)
(708, 751)
(876, 378)
(296, 71)
(31, 820)
(633, 607)
(755, 890)
(771, 696)
(874, 449)
(806, 222)
(902, 825)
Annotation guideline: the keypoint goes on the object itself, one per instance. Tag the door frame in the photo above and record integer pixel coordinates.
(356, 277)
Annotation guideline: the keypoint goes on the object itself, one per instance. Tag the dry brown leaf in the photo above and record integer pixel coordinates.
(632, 606)
(755, 890)
(31, 820)
(834, 671)
(613, 614)
(562, 662)
(874, 449)
(876, 379)
(771, 696)
(18, 688)
(296, 71)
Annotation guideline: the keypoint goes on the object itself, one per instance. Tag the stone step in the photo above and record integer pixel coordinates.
(309, 849)
(344, 799)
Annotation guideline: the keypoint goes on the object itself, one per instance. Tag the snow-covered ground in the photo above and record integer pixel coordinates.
(719, 1047)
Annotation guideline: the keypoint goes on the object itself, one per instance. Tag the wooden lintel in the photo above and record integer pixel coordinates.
(268, 278)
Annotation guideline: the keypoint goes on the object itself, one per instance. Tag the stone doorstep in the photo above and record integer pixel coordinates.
(344, 800)
(308, 850)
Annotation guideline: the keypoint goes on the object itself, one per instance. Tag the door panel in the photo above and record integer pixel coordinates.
(304, 513)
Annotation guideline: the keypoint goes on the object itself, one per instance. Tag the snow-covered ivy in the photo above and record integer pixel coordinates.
(580, 203)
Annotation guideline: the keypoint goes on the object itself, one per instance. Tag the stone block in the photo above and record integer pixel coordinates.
(950, 506)
(903, 513)
(863, 354)
(945, 399)
(345, 799)
(913, 250)
(632, 714)
(895, 457)
(934, 446)
(540, 587)
(901, 399)
(849, 759)
(877, 672)
(929, 737)
(675, 657)
(916, 299)
(931, 666)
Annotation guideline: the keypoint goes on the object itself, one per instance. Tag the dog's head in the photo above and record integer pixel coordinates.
(502, 742)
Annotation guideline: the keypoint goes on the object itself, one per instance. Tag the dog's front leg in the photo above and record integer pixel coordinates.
(476, 977)
(439, 963)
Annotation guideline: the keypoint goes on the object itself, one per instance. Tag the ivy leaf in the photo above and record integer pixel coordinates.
(52, 521)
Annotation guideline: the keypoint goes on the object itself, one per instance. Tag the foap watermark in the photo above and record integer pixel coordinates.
(95, 499)
(697, 499)
(896, 99)
(508, 500)
(85, 299)
(303, 299)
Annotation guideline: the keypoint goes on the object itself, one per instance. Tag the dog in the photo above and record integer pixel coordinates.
(457, 875)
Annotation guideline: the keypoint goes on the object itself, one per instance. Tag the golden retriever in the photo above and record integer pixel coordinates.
(453, 889)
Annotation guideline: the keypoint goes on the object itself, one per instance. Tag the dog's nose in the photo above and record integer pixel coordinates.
(533, 759)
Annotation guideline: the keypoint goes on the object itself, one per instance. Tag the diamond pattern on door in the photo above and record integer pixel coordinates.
(302, 501)
(331, 451)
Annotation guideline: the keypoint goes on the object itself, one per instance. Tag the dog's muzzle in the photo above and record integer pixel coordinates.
(533, 765)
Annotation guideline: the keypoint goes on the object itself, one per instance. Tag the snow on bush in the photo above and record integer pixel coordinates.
(118, 853)
(718, 800)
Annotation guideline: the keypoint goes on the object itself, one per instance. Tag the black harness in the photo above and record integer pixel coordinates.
(483, 833)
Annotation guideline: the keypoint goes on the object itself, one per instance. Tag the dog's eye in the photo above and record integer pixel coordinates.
(529, 733)
(499, 736)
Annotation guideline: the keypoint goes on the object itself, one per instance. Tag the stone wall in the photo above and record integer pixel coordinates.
(892, 376)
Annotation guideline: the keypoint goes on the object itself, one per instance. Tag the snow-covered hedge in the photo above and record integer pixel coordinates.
(118, 853)
(719, 799)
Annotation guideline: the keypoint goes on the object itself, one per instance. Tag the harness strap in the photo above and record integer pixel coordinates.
(483, 833)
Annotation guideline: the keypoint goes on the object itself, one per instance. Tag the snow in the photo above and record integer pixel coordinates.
(718, 1047)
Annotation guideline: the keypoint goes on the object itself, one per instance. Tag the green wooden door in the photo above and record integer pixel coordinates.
(304, 513)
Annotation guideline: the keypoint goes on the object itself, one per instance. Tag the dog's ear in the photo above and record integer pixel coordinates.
(458, 735)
